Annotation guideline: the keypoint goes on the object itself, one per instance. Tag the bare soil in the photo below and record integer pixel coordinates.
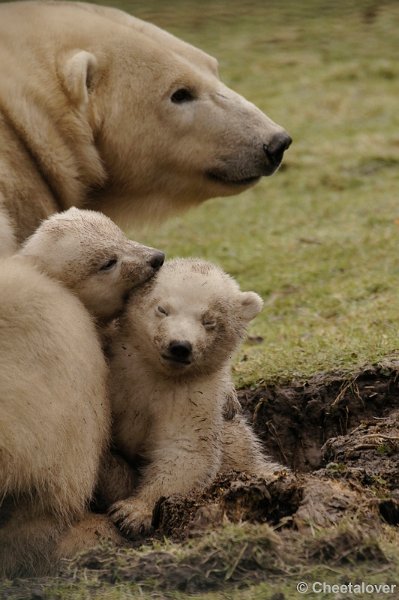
(296, 421)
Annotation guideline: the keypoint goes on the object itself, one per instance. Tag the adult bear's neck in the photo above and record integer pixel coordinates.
(56, 137)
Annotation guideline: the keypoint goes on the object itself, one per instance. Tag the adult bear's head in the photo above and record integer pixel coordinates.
(170, 132)
(145, 107)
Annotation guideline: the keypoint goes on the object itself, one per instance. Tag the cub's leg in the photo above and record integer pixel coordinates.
(88, 533)
(176, 469)
(242, 451)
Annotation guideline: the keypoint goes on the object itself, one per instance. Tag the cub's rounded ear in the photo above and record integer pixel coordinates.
(251, 304)
(77, 70)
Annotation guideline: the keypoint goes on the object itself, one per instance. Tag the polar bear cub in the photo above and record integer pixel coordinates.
(91, 256)
(170, 375)
(54, 407)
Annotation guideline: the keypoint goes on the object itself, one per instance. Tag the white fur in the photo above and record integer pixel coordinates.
(171, 413)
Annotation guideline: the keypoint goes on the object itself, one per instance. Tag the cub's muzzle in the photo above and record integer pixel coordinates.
(179, 351)
(156, 260)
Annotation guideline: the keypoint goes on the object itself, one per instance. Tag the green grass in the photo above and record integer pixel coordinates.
(319, 240)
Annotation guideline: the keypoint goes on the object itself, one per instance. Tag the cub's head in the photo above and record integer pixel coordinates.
(87, 252)
(189, 319)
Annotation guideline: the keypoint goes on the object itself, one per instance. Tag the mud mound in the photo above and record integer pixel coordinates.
(232, 498)
(298, 503)
(296, 421)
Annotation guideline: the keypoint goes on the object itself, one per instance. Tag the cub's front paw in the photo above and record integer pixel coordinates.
(133, 517)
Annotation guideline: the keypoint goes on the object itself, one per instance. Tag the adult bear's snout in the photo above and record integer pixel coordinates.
(251, 158)
(275, 149)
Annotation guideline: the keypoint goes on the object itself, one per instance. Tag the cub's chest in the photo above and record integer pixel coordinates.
(185, 411)
(153, 415)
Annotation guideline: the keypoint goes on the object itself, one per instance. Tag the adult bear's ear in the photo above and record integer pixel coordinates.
(77, 71)
(251, 304)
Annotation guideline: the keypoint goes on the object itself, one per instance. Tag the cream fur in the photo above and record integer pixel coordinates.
(75, 247)
(170, 412)
(86, 118)
(54, 409)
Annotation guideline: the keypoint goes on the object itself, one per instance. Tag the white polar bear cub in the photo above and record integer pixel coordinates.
(91, 256)
(170, 366)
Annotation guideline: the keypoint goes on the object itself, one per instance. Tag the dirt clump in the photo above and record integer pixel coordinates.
(295, 421)
(232, 498)
(346, 545)
(370, 453)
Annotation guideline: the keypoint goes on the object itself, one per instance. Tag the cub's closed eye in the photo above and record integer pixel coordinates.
(110, 264)
(209, 324)
(182, 95)
(161, 310)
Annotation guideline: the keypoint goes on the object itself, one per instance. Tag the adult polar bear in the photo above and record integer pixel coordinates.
(102, 110)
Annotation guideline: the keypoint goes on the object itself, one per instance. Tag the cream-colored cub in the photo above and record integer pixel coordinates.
(90, 255)
(54, 409)
(170, 374)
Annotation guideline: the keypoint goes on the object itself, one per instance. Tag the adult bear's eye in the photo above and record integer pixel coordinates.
(161, 310)
(108, 265)
(182, 95)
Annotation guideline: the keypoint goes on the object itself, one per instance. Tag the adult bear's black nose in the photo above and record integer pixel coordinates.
(157, 259)
(180, 350)
(275, 149)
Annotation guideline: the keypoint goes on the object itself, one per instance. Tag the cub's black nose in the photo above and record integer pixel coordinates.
(275, 149)
(180, 350)
(157, 259)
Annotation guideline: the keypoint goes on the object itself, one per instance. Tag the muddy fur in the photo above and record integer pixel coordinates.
(168, 407)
